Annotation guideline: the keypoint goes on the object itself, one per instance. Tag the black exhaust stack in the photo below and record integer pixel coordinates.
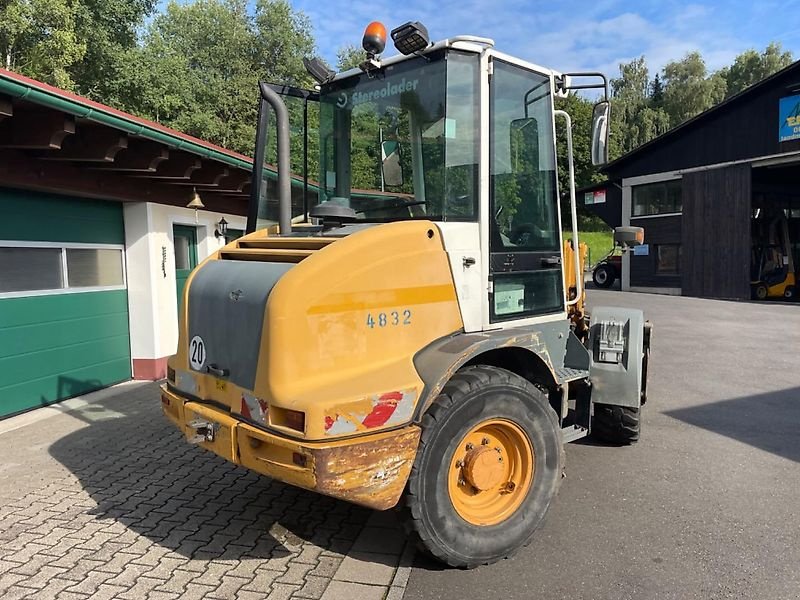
(271, 98)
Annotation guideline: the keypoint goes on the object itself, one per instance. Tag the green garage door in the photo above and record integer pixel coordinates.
(63, 300)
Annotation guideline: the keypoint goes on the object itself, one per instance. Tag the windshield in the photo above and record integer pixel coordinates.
(402, 143)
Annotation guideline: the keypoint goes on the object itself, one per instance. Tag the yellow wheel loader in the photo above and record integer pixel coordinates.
(420, 342)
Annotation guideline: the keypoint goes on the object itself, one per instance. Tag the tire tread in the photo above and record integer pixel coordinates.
(462, 383)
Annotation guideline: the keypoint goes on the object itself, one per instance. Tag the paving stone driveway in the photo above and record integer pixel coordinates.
(105, 500)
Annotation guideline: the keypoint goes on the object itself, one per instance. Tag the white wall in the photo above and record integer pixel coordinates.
(150, 258)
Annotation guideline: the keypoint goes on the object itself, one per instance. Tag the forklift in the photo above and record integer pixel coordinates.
(420, 341)
(772, 266)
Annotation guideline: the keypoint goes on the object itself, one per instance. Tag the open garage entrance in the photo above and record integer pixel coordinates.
(775, 231)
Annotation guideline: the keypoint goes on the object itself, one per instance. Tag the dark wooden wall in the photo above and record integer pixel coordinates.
(657, 230)
(716, 233)
(609, 211)
(744, 127)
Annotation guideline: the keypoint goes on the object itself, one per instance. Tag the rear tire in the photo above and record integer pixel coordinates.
(620, 425)
(789, 293)
(603, 276)
(483, 518)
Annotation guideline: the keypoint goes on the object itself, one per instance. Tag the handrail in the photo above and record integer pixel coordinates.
(573, 209)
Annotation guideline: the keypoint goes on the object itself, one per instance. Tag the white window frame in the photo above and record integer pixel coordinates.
(64, 246)
(627, 213)
(651, 182)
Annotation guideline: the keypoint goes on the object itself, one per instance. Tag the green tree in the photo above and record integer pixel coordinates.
(197, 72)
(349, 57)
(689, 90)
(635, 117)
(109, 29)
(657, 92)
(40, 39)
(283, 37)
(751, 67)
(200, 63)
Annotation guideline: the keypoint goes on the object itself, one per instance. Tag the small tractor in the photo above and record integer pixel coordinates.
(417, 339)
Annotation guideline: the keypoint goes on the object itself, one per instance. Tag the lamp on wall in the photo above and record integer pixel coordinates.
(196, 203)
(222, 228)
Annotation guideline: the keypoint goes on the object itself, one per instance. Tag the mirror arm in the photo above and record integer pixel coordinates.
(573, 211)
(565, 86)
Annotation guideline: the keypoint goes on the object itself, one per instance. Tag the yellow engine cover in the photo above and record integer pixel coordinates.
(343, 326)
(340, 332)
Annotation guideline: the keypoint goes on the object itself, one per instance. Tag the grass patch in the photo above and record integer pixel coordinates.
(599, 242)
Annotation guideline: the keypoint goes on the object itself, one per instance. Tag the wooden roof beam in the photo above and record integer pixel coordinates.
(36, 130)
(6, 108)
(235, 181)
(91, 144)
(208, 176)
(180, 166)
(141, 156)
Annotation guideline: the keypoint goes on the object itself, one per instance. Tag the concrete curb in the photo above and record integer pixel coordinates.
(66, 406)
(377, 566)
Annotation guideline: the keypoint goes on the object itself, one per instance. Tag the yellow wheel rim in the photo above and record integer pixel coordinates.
(491, 472)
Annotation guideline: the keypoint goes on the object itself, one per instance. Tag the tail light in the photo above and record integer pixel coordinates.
(284, 417)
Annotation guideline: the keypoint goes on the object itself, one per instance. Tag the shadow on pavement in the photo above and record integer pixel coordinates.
(142, 474)
(765, 421)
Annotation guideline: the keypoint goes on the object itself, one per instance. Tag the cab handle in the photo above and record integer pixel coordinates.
(551, 261)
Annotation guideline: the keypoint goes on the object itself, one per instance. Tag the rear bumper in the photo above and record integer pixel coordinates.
(370, 470)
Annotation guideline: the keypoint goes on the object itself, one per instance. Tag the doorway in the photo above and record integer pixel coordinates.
(185, 241)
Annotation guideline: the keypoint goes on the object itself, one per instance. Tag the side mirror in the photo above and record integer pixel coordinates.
(391, 166)
(524, 137)
(627, 237)
(600, 126)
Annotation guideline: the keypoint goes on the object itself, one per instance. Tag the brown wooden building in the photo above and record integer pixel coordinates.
(700, 189)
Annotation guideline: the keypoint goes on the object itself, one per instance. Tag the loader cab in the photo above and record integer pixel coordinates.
(463, 136)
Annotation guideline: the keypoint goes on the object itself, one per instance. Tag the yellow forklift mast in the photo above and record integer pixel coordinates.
(420, 342)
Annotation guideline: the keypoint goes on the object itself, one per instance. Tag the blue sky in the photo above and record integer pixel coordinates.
(591, 35)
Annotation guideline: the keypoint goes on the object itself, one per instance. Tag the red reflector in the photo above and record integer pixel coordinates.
(164, 400)
(299, 459)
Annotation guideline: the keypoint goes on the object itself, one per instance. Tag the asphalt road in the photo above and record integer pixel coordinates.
(706, 505)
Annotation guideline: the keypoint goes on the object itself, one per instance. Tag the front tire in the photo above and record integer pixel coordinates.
(603, 276)
(619, 425)
(760, 292)
(488, 466)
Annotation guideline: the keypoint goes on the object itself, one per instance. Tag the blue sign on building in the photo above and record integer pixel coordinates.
(789, 119)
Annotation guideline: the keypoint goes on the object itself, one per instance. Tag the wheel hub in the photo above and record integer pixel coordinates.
(483, 467)
(491, 472)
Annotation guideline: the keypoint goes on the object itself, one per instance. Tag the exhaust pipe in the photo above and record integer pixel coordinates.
(284, 182)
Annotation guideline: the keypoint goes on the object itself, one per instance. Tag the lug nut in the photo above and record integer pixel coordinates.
(470, 447)
(510, 486)
(460, 482)
(485, 441)
(459, 464)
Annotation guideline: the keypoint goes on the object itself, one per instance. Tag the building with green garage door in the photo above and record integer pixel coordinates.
(96, 239)
(63, 299)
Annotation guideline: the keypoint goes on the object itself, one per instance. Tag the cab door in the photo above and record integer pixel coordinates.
(525, 274)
